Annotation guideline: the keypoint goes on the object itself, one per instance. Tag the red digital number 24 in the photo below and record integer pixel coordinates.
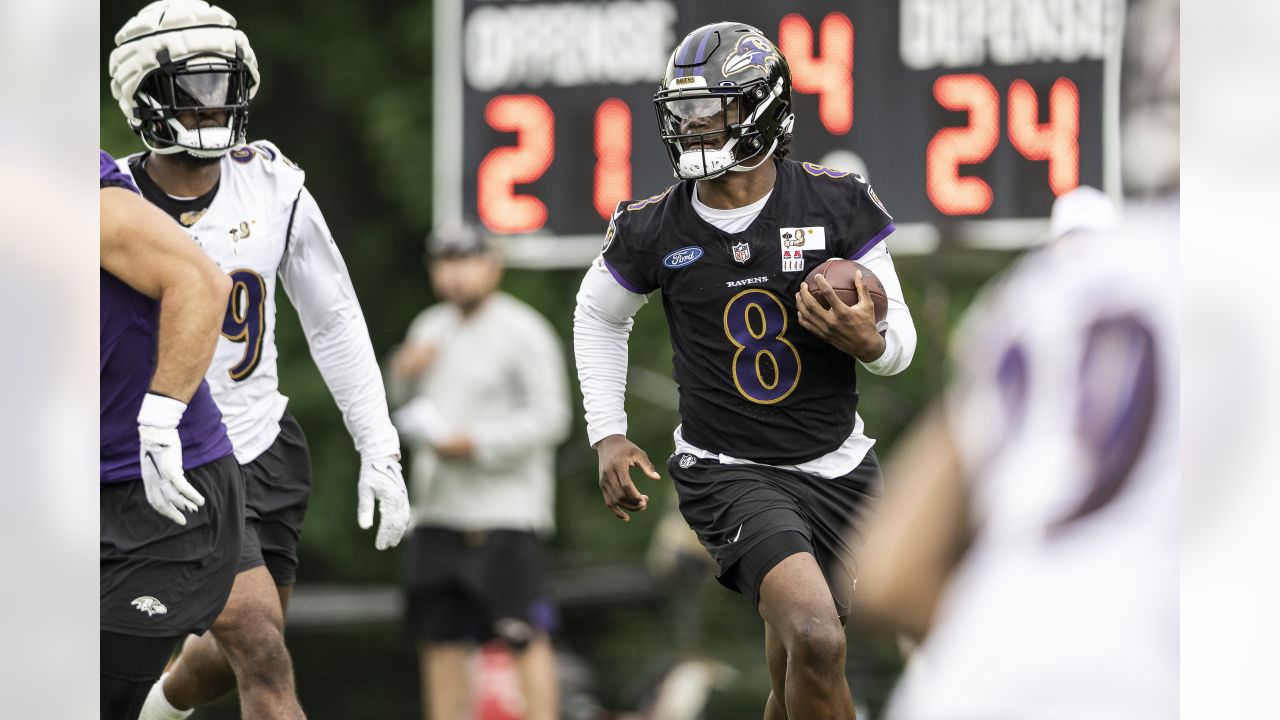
(1057, 141)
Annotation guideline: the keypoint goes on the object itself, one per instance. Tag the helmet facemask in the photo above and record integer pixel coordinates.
(710, 132)
(724, 103)
(199, 105)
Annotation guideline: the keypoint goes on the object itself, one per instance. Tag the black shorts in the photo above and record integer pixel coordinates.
(160, 579)
(751, 517)
(476, 586)
(277, 489)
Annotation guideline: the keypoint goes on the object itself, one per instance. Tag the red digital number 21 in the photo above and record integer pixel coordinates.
(500, 207)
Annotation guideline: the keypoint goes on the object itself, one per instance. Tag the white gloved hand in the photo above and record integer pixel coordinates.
(382, 480)
(160, 453)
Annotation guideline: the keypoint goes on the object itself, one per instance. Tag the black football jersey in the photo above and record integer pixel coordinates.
(753, 383)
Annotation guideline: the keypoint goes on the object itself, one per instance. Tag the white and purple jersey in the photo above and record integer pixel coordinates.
(1065, 412)
(263, 228)
(129, 323)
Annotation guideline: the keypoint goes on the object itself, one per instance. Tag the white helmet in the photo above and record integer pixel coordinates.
(184, 57)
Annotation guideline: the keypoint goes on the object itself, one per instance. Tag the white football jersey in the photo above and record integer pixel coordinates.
(1065, 410)
(263, 227)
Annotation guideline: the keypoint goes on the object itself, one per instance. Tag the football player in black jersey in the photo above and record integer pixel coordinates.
(771, 463)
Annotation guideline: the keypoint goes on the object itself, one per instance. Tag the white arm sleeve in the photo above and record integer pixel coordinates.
(316, 280)
(601, 326)
(900, 337)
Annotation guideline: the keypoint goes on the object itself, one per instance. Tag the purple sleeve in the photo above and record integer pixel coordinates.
(622, 280)
(109, 174)
(884, 233)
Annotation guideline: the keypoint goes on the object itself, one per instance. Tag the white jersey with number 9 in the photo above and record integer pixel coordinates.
(261, 226)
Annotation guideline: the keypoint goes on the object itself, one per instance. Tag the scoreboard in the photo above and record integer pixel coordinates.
(967, 116)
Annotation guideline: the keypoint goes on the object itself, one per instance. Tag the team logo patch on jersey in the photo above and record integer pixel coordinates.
(741, 252)
(238, 234)
(804, 238)
(242, 154)
(876, 199)
(795, 241)
(149, 605)
(608, 234)
(792, 260)
(191, 217)
(684, 256)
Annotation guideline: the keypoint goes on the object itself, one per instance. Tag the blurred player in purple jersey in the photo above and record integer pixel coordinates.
(170, 493)
(771, 460)
(1031, 535)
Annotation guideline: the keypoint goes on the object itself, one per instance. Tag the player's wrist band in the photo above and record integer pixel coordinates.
(160, 411)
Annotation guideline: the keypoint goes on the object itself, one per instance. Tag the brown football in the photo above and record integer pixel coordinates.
(839, 273)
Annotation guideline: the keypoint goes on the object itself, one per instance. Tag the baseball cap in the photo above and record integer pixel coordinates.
(458, 239)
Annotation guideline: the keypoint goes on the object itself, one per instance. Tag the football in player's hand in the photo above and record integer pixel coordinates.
(839, 273)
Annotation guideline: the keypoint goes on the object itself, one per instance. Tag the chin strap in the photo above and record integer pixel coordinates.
(766, 155)
(786, 128)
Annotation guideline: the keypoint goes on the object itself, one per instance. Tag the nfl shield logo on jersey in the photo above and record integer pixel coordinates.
(741, 252)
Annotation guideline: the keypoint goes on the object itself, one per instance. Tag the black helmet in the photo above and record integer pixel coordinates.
(725, 100)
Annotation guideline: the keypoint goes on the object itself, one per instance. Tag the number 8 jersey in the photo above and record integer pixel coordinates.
(753, 383)
(260, 224)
